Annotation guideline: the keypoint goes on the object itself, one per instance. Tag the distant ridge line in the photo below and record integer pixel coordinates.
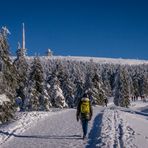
(100, 60)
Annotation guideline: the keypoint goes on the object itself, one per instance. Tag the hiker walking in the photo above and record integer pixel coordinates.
(19, 103)
(106, 101)
(84, 113)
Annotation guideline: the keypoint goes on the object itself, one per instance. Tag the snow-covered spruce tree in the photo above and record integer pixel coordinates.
(143, 84)
(47, 96)
(68, 91)
(136, 89)
(22, 70)
(36, 86)
(79, 80)
(57, 97)
(66, 84)
(47, 91)
(131, 87)
(79, 91)
(8, 75)
(106, 80)
(121, 96)
(98, 92)
(88, 86)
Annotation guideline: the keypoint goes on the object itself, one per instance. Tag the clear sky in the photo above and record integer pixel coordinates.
(100, 28)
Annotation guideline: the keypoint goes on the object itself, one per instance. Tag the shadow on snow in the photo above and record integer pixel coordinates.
(143, 113)
(145, 110)
(94, 135)
(42, 136)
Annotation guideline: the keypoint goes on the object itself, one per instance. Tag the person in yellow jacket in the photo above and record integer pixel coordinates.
(84, 113)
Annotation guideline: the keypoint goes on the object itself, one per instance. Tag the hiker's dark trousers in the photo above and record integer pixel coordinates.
(84, 126)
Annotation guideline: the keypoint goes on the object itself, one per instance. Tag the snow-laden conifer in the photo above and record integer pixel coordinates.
(8, 75)
(121, 97)
(36, 85)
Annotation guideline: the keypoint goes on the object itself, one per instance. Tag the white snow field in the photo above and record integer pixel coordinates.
(99, 60)
(111, 127)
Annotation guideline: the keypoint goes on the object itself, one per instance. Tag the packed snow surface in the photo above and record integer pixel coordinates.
(111, 127)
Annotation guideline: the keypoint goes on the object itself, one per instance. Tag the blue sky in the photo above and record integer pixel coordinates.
(100, 28)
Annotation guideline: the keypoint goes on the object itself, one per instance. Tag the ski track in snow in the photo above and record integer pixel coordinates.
(115, 132)
(109, 128)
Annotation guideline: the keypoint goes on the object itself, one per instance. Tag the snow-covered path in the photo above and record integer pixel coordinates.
(56, 131)
(111, 127)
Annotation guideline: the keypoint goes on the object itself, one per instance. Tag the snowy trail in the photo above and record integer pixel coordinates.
(60, 130)
(111, 127)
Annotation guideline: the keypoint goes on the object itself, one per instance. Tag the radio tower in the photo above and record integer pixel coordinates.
(23, 42)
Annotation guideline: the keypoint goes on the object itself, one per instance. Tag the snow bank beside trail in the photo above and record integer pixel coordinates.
(116, 130)
(138, 129)
(139, 105)
(24, 120)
